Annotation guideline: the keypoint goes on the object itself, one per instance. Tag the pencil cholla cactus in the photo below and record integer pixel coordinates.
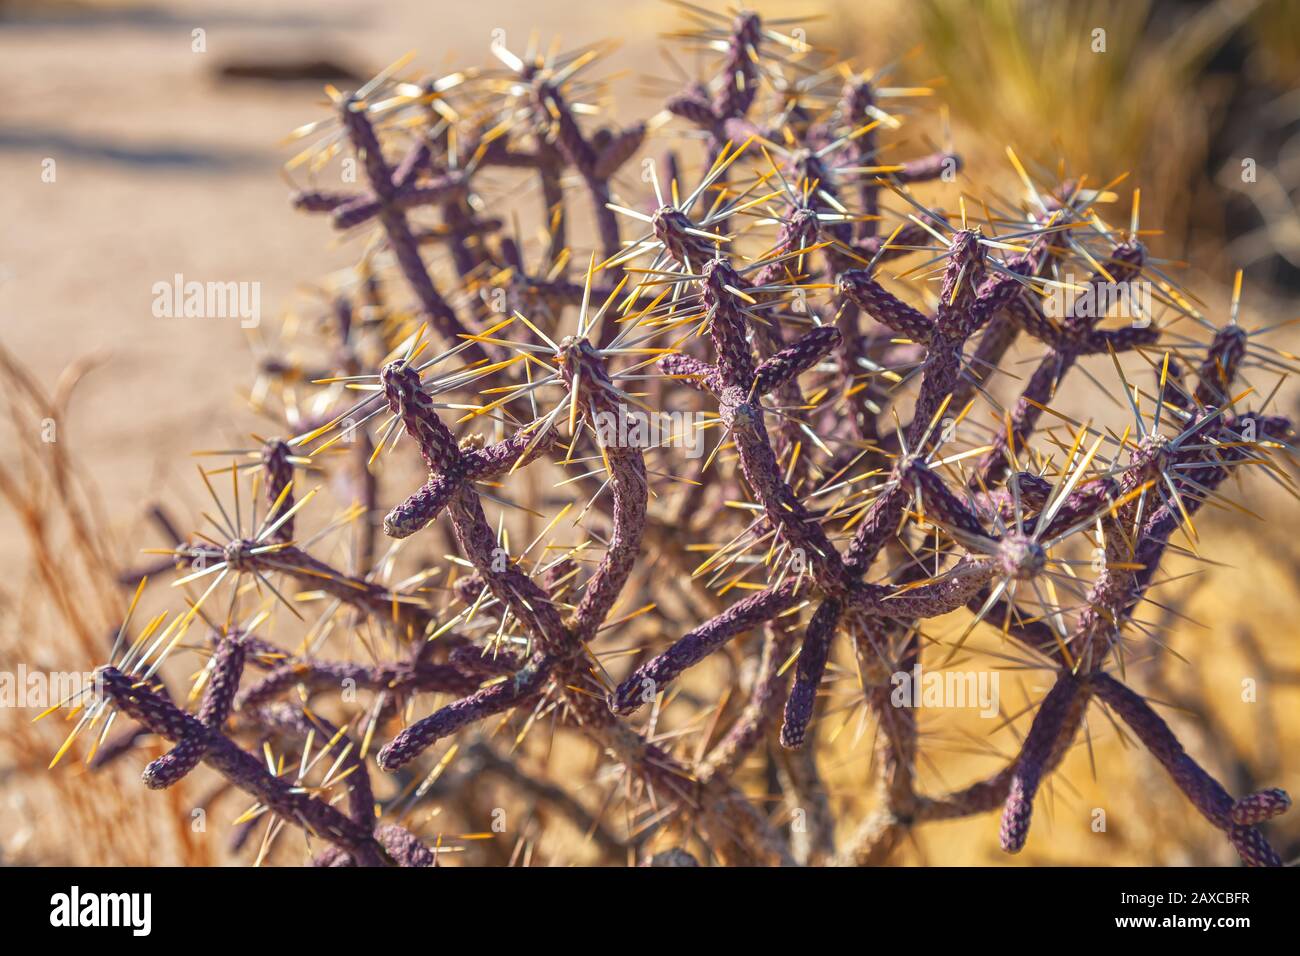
(729, 265)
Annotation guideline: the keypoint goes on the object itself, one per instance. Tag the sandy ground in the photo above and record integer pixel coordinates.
(163, 167)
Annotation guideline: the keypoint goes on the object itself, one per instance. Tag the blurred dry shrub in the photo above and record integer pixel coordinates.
(1145, 96)
(64, 612)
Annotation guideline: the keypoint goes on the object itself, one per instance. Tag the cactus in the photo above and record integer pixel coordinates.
(740, 285)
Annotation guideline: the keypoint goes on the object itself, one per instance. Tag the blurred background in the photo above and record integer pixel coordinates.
(167, 159)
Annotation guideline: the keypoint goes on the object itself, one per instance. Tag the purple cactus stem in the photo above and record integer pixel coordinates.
(811, 666)
(1048, 725)
(1204, 792)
